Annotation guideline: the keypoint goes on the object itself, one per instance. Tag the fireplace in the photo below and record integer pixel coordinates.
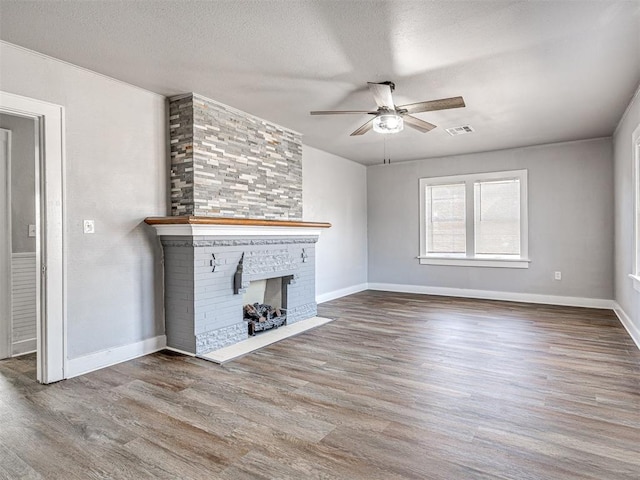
(265, 304)
(210, 264)
(228, 166)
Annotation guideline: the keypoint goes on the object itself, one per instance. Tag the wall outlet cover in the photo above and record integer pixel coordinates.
(32, 231)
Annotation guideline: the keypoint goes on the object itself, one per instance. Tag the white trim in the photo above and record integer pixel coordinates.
(632, 329)
(475, 262)
(112, 356)
(235, 231)
(189, 354)
(343, 292)
(50, 243)
(6, 322)
(635, 175)
(495, 295)
(23, 347)
(636, 281)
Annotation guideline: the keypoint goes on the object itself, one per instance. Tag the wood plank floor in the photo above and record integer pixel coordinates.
(399, 386)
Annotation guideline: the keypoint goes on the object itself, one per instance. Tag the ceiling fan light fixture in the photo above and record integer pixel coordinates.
(388, 123)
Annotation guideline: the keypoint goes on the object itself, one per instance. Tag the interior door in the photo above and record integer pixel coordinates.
(5, 245)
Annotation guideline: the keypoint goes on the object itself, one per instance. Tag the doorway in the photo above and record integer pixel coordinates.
(17, 241)
(48, 230)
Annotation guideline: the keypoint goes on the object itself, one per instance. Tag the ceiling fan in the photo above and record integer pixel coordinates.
(390, 118)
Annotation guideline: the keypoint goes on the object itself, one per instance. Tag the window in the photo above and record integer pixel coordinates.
(635, 272)
(478, 220)
(446, 217)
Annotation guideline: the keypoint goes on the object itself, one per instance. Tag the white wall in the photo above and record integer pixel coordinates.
(625, 295)
(23, 247)
(334, 190)
(23, 193)
(570, 221)
(115, 173)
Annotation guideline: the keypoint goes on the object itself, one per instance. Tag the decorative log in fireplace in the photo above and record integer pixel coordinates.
(261, 317)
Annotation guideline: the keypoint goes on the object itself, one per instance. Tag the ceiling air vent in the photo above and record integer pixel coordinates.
(461, 130)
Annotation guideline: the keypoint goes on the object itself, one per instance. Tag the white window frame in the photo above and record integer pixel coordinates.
(635, 270)
(470, 259)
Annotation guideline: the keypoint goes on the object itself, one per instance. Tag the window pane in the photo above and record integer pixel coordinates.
(445, 220)
(497, 217)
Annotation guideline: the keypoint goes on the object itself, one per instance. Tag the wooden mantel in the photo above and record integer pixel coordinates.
(192, 225)
(254, 222)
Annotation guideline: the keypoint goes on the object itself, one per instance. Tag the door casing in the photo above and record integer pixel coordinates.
(50, 241)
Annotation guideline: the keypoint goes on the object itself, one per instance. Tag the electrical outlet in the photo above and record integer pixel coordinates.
(557, 276)
(32, 231)
(89, 226)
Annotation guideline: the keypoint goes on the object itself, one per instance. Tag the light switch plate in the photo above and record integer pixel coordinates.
(32, 231)
(89, 226)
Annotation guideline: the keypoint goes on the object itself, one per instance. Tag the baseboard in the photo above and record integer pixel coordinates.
(112, 356)
(343, 292)
(181, 352)
(494, 295)
(632, 328)
(23, 347)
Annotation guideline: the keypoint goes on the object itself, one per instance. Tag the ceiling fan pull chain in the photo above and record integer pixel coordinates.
(384, 151)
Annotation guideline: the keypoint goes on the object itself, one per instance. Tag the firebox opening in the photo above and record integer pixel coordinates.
(265, 304)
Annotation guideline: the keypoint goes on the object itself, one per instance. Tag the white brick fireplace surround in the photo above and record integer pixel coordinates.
(209, 262)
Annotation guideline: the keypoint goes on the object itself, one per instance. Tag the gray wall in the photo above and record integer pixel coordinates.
(335, 191)
(570, 221)
(23, 195)
(115, 173)
(626, 296)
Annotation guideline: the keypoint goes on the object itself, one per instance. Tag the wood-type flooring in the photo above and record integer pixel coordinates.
(399, 386)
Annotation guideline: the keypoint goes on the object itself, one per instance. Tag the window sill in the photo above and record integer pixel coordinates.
(493, 262)
(636, 281)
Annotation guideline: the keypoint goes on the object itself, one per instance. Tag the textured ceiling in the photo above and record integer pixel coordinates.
(530, 72)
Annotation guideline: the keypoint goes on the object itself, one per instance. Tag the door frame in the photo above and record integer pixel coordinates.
(51, 285)
(5, 258)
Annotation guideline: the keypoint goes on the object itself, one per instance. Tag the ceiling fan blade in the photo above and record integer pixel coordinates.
(364, 128)
(418, 124)
(430, 106)
(339, 112)
(382, 95)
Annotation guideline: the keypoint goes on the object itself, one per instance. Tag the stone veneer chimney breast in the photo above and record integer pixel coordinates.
(227, 163)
